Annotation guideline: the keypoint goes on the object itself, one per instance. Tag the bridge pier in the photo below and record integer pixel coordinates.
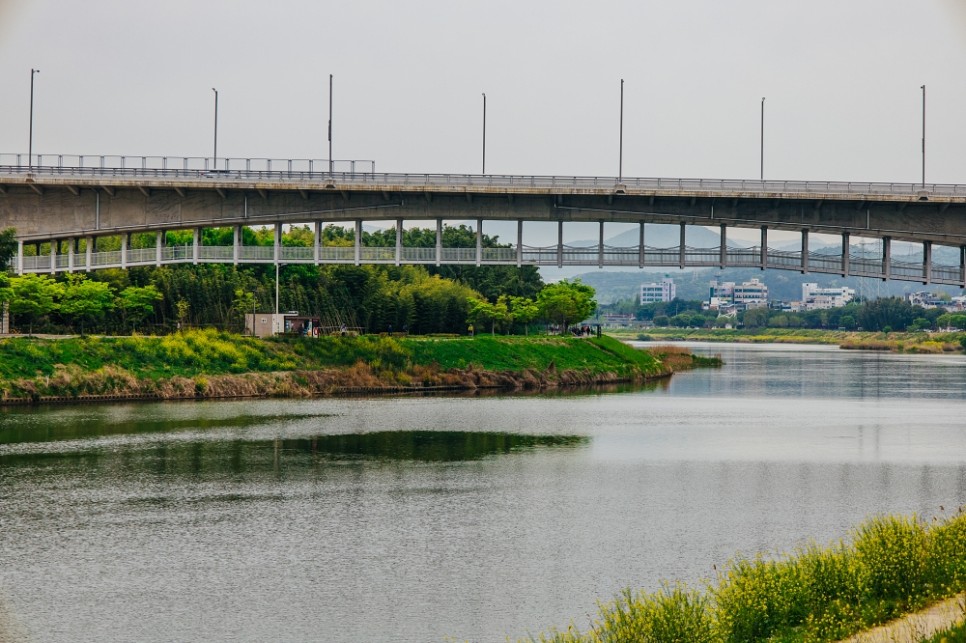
(682, 246)
(805, 251)
(764, 247)
(845, 254)
(723, 247)
(640, 247)
(439, 242)
(927, 261)
(886, 258)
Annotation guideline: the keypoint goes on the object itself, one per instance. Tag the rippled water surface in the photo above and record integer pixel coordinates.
(414, 519)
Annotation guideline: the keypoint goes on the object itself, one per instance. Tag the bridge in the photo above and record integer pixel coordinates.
(61, 205)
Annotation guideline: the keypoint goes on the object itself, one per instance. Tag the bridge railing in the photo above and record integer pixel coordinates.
(362, 172)
(73, 163)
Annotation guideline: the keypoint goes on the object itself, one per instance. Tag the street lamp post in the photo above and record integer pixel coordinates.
(484, 133)
(214, 161)
(923, 137)
(620, 153)
(30, 141)
(331, 162)
(761, 174)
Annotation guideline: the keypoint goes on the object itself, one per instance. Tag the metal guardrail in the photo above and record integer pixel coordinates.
(349, 173)
(186, 164)
(909, 268)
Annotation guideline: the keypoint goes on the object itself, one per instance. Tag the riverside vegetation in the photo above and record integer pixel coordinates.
(213, 364)
(901, 342)
(890, 566)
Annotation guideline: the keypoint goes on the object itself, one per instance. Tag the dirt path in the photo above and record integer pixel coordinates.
(916, 627)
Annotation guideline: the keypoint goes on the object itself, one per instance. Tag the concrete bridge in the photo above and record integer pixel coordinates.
(61, 205)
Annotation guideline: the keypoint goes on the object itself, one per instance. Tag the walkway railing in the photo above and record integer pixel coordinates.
(911, 268)
(359, 172)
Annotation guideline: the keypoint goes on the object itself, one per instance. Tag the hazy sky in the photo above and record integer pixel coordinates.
(842, 80)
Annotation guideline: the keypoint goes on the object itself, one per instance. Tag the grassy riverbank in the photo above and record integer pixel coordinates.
(906, 342)
(214, 364)
(889, 566)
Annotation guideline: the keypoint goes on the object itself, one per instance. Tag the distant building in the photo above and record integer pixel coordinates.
(727, 294)
(934, 300)
(664, 290)
(822, 298)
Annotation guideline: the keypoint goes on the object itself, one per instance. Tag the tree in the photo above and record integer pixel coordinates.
(755, 318)
(565, 302)
(893, 312)
(83, 300)
(137, 302)
(34, 296)
(522, 310)
(483, 312)
(8, 247)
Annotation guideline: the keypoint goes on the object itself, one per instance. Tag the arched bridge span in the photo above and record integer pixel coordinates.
(61, 205)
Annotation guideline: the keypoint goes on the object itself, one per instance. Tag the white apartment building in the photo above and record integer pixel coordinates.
(750, 294)
(817, 298)
(654, 292)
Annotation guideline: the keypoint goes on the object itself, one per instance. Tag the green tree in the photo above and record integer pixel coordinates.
(893, 312)
(34, 296)
(566, 302)
(137, 302)
(483, 312)
(755, 318)
(523, 310)
(83, 300)
(8, 247)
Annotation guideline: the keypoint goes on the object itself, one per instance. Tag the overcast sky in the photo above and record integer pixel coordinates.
(842, 80)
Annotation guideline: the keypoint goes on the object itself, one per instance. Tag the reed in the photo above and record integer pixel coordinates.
(889, 566)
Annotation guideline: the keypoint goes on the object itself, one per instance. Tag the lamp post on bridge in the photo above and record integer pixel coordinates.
(214, 161)
(484, 133)
(331, 162)
(761, 174)
(620, 152)
(30, 136)
(923, 137)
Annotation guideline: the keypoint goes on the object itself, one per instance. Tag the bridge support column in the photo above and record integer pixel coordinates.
(927, 261)
(53, 256)
(124, 244)
(317, 243)
(71, 243)
(399, 237)
(560, 244)
(845, 254)
(277, 249)
(235, 244)
(962, 266)
(682, 245)
(479, 242)
(600, 247)
(640, 248)
(89, 252)
(723, 248)
(519, 242)
(196, 246)
(804, 251)
(158, 246)
(886, 258)
(19, 256)
(358, 241)
(764, 247)
(439, 242)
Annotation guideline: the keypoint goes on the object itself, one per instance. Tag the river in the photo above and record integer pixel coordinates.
(477, 518)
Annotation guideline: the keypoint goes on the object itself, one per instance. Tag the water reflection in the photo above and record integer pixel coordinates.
(250, 458)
